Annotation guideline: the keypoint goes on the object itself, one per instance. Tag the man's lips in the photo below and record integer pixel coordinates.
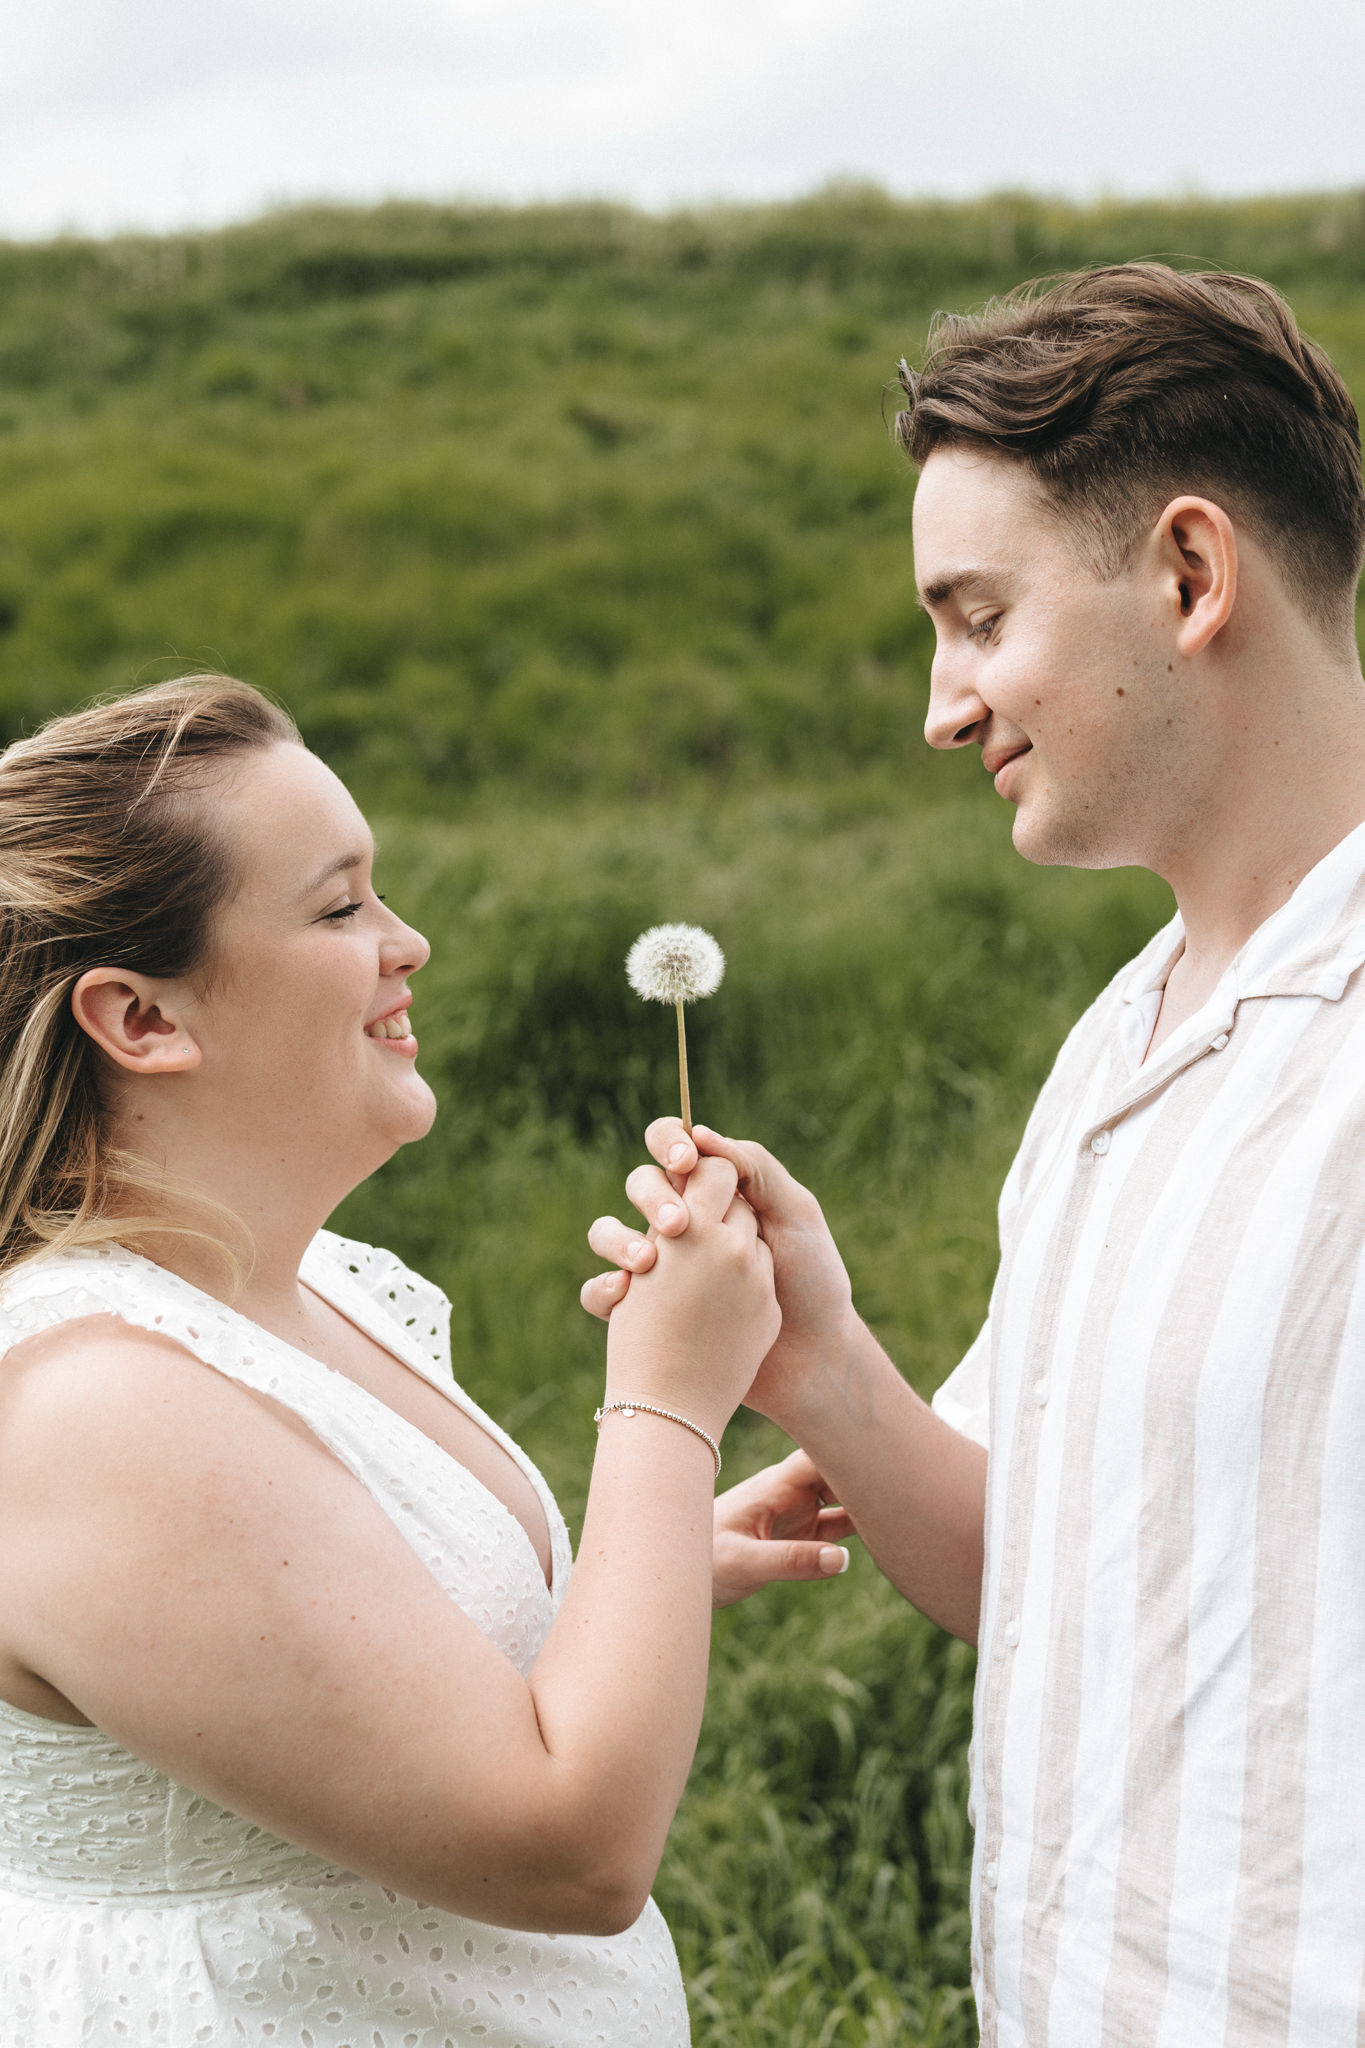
(998, 759)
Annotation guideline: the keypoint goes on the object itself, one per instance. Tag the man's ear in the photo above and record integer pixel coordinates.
(1198, 551)
(129, 1017)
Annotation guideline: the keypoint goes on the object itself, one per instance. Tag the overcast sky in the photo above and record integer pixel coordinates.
(165, 113)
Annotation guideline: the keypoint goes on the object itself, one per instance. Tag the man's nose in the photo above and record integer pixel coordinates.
(957, 715)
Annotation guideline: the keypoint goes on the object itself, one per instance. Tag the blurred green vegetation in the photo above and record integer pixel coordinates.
(574, 540)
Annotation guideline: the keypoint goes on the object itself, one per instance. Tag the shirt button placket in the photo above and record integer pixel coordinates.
(1099, 1144)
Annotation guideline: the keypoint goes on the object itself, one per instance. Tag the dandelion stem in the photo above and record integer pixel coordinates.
(682, 1071)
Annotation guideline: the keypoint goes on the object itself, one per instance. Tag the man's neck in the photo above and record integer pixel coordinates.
(1253, 850)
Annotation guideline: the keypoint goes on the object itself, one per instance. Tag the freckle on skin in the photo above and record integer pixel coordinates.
(1118, 693)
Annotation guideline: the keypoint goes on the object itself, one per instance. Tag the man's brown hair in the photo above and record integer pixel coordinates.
(1123, 387)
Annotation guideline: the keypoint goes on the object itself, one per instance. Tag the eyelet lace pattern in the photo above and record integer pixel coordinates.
(134, 1911)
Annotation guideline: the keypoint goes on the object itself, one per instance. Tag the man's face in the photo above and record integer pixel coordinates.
(1066, 682)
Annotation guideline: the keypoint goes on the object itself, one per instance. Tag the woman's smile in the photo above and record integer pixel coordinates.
(394, 1031)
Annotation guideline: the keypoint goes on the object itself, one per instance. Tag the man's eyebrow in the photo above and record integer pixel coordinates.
(957, 584)
(342, 865)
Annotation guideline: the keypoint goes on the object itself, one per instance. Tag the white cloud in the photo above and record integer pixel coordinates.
(162, 112)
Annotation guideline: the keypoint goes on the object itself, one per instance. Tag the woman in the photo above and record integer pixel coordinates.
(288, 1642)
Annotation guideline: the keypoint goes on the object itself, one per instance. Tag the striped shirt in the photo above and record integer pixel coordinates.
(1168, 1763)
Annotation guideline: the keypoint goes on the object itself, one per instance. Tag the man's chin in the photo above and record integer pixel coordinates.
(1050, 839)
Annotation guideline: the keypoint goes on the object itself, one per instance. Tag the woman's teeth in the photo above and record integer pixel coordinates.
(390, 1027)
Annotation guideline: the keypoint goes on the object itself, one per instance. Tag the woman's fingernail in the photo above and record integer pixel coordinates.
(678, 1154)
(633, 1251)
(669, 1211)
(833, 1560)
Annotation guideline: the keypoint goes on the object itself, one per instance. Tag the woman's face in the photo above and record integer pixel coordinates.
(310, 972)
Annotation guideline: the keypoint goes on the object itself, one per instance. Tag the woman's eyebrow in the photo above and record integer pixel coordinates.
(342, 865)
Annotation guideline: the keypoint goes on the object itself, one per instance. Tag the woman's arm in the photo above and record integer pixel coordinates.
(204, 1581)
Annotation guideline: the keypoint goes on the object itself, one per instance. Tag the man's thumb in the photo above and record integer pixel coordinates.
(812, 1560)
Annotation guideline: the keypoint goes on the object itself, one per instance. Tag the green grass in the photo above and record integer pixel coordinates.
(574, 540)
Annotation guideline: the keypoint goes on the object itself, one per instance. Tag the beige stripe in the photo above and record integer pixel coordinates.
(1151, 1804)
(1060, 1100)
(1294, 1415)
(1059, 1733)
(996, 1665)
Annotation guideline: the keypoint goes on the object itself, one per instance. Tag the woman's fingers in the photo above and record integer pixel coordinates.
(652, 1193)
(600, 1295)
(614, 1240)
(711, 1189)
(672, 1146)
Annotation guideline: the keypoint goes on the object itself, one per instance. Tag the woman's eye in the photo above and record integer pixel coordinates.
(336, 916)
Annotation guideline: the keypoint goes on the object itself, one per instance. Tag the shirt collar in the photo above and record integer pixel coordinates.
(1310, 946)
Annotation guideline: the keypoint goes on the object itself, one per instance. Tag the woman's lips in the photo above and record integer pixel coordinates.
(394, 1032)
(406, 1048)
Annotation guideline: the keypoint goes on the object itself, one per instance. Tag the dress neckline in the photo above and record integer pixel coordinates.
(321, 1269)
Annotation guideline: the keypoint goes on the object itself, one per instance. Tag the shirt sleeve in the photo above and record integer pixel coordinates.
(964, 1399)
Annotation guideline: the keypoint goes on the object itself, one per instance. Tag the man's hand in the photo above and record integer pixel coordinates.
(812, 1286)
(776, 1526)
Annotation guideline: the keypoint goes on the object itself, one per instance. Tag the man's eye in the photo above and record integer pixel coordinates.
(984, 629)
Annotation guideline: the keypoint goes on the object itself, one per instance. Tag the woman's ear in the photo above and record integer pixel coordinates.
(1198, 545)
(128, 1016)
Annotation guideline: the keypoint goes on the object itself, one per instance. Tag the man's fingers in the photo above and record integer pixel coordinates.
(763, 1181)
(613, 1240)
(600, 1295)
(743, 1564)
(658, 1202)
(803, 1560)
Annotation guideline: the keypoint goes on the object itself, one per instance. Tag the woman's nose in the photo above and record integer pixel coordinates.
(404, 951)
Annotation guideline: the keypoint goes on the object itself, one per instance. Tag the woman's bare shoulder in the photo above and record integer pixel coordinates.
(94, 1405)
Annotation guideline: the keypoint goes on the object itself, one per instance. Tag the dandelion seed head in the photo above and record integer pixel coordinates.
(674, 963)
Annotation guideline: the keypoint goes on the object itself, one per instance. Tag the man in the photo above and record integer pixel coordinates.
(1138, 530)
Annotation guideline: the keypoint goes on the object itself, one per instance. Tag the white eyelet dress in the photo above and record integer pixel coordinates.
(134, 1911)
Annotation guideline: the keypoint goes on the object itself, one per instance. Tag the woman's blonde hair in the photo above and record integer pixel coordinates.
(106, 860)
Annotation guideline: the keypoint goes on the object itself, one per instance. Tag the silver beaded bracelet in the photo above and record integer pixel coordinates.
(629, 1408)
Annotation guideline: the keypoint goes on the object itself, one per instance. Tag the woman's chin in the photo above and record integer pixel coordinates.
(418, 1109)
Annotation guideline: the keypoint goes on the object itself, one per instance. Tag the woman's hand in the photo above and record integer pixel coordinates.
(695, 1328)
(776, 1526)
(813, 1292)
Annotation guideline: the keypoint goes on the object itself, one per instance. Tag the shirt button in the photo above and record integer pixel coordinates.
(992, 1873)
(1100, 1143)
(1041, 1389)
(1012, 1632)
(1219, 1042)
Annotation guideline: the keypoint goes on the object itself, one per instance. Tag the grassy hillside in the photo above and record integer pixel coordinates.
(569, 495)
(574, 540)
